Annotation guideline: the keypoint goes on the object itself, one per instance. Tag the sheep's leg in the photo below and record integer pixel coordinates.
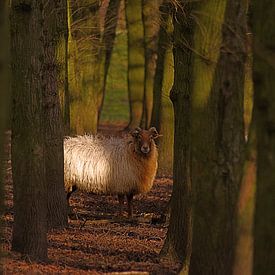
(121, 202)
(130, 205)
(70, 192)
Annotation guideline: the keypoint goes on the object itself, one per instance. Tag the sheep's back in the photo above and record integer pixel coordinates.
(100, 165)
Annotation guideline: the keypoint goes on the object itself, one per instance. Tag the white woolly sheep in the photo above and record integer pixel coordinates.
(114, 166)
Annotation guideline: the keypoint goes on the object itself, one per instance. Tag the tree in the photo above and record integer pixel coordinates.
(217, 133)
(108, 40)
(53, 84)
(37, 35)
(263, 28)
(28, 147)
(136, 61)
(162, 116)
(84, 50)
(151, 30)
(208, 102)
(179, 236)
(4, 96)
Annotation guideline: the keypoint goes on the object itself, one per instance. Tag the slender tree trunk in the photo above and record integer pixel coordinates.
(136, 61)
(53, 82)
(163, 116)
(151, 30)
(28, 146)
(179, 237)
(263, 27)
(217, 133)
(244, 247)
(87, 68)
(108, 39)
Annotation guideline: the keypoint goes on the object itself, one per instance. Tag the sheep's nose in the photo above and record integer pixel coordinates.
(145, 149)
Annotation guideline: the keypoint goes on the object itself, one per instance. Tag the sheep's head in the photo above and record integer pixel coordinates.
(144, 139)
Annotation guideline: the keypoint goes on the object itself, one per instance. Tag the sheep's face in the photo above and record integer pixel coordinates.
(144, 139)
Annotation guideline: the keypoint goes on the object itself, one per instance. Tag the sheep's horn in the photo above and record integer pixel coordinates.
(154, 132)
(136, 132)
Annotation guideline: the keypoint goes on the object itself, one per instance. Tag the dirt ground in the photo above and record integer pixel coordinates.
(97, 241)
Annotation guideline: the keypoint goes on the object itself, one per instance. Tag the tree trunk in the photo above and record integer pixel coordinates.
(217, 133)
(163, 108)
(108, 39)
(4, 101)
(53, 83)
(179, 237)
(151, 29)
(136, 61)
(244, 247)
(85, 34)
(28, 146)
(263, 27)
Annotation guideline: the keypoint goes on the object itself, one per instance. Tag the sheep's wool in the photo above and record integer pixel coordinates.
(107, 165)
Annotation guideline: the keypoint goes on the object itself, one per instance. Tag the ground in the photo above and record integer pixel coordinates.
(97, 240)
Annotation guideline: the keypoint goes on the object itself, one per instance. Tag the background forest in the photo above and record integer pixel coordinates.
(201, 72)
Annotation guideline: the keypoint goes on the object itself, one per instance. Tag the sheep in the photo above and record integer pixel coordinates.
(111, 166)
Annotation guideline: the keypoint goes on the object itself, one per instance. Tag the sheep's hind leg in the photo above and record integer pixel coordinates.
(121, 203)
(130, 205)
(69, 193)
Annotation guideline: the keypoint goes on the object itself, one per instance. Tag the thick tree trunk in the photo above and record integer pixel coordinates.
(136, 61)
(151, 30)
(53, 82)
(179, 237)
(86, 66)
(4, 100)
(263, 27)
(217, 134)
(28, 146)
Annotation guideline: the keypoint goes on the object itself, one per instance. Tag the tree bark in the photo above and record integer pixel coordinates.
(243, 262)
(53, 84)
(151, 30)
(263, 27)
(136, 61)
(179, 237)
(4, 101)
(163, 109)
(86, 66)
(28, 146)
(217, 133)
(108, 41)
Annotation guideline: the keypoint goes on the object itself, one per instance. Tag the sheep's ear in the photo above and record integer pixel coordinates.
(154, 132)
(135, 132)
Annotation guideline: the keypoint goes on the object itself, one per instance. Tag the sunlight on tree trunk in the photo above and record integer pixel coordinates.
(108, 41)
(163, 116)
(151, 30)
(136, 61)
(244, 246)
(263, 27)
(84, 65)
(217, 133)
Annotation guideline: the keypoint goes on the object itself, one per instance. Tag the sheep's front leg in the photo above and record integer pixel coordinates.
(121, 202)
(130, 205)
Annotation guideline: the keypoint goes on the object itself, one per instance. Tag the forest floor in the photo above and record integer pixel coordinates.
(97, 240)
